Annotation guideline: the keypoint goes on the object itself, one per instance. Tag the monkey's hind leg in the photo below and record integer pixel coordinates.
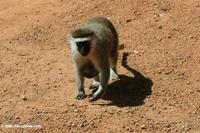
(113, 65)
(95, 83)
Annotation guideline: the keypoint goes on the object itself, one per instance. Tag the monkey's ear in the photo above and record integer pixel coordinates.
(81, 32)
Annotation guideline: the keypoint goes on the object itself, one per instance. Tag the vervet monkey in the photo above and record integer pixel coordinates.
(94, 49)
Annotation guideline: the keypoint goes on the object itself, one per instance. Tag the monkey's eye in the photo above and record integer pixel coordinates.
(84, 47)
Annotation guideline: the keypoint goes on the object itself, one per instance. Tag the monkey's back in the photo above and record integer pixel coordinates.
(105, 22)
(105, 30)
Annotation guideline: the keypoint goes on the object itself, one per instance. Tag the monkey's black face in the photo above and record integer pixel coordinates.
(84, 47)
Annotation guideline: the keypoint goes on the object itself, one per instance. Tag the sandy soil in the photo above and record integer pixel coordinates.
(159, 67)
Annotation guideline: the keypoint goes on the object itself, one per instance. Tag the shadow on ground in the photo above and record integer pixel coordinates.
(129, 91)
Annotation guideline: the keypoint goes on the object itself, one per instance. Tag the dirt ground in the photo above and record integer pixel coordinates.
(159, 89)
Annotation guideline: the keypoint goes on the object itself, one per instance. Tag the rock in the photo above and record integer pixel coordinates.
(143, 126)
(190, 36)
(136, 52)
(73, 125)
(164, 108)
(82, 125)
(121, 47)
(23, 97)
(128, 20)
(17, 118)
(5, 90)
(71, 104)
(169, 36)
(168, 125)
(160, 15)
(159, 27)
(188, 82)
(76, 110)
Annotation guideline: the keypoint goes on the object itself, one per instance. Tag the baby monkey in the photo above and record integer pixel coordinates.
(94, 49)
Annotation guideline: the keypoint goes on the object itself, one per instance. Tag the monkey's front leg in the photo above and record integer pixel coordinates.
(80, 85)
(104, 77)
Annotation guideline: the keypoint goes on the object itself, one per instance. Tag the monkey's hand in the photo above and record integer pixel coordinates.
(81, 95)
(94, 85)
(98, 94)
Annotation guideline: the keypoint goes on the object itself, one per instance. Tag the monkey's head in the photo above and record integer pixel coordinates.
(82, 38)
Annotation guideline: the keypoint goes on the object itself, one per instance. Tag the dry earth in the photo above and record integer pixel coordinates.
(159, 67)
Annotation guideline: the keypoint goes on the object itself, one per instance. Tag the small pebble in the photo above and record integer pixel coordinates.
(76, 110)
(128, 20)
(71, 104)
(143, 126)
(23, 97)
(168, 125)
(82, 125)
(136, 52)
(18, 117)
(190, 36)
(121, 46)
(159, 27)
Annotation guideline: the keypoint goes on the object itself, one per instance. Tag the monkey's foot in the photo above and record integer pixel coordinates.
(81, 95)
(114, 75)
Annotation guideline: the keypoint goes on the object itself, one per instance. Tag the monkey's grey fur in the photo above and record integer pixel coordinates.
(94, 48)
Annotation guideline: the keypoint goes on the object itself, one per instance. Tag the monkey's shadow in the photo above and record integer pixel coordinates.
(129, 91)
